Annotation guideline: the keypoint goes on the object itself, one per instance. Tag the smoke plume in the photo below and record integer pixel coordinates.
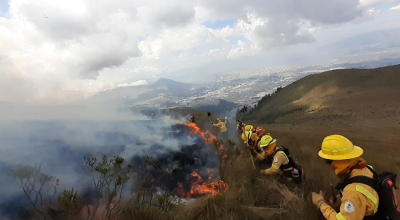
(59, 144)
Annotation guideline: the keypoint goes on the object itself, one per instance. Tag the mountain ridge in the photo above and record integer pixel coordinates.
(353, 97)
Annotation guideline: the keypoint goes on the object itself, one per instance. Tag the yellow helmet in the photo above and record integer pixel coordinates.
(249, 128)
(337, 147)
(246, 136)
(266, 140)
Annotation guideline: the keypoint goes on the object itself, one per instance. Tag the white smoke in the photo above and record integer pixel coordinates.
(59, 137)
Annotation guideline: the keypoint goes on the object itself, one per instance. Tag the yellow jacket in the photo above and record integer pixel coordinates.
(221, 126)
(358, 201)
(280, 158)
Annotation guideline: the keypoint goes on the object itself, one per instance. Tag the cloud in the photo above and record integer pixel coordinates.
(367, 15)
(241, 50)
(57, 20)
(71, 35)
(369, 3)
(159, 13)
(137, 83)
(69, 43)
(270, 24)
(97, 52)
(269, 33)
(180, 39)
(395, 8)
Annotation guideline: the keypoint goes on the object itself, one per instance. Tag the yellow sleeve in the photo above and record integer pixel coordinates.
(328, 212)
(351, 208)
(276, 164)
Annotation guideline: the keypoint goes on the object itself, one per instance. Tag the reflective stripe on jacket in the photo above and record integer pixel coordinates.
(358, 201)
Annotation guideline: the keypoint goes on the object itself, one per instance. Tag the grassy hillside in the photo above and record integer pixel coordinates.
(351, 94)
(363, 105)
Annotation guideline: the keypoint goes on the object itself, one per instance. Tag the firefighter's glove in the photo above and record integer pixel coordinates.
(318, 198)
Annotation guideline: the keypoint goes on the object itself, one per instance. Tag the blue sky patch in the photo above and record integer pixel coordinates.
(3, 7)
(385, 7)
(219, 24)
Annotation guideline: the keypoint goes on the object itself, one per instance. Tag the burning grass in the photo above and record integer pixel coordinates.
(231, 189)
(249, 196)
(208, 137)
(200, 187)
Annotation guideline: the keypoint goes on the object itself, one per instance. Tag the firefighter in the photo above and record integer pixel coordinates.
(261, 132)
(280, 160)
(240, 126)
(249, 137)
(250, 128)
(222, 129)
(192, 119)
(358, 200)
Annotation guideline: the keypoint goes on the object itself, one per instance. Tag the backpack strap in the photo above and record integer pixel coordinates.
(287, 153)
(358, 179)
(288, 165)
(364, 180)
(372, 171)
(371, 182)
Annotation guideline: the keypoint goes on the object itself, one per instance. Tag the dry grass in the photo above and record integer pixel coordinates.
(362, 105)
(223, 207)
(305, 145)
(251, 196)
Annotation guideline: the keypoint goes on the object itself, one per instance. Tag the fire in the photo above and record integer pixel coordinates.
(221, 152)
(206, 135)
(200, 188)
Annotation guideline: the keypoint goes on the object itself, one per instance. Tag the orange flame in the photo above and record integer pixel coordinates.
(200, 188)
(206, 135)
(221, 152)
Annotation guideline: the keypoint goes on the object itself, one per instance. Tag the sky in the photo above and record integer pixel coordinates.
(57, 52)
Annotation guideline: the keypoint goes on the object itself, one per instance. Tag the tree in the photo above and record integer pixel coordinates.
(109, 178)
(38, 187)
(68, 202)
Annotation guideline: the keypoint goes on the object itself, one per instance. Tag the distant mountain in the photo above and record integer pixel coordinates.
(219, 107)
(357, 97)
(217, 95)
(164, 93)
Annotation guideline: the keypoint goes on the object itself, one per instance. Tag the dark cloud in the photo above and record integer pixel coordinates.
(173, 13)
